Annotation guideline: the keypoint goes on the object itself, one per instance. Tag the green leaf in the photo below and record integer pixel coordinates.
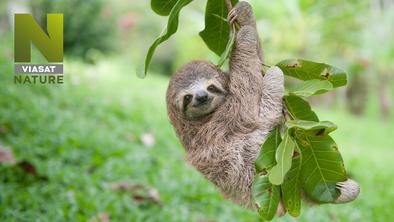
(217, 30)
(283, 157)
(307, 70)
(291, 188)
(322, 128)
(162, 7)
(322, 167)
(266, 158)
(299, 108)
(229, 47)
(172, 27)
(266, 196)
(312, 87)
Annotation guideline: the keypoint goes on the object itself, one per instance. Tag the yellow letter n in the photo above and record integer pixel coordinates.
(27, 31)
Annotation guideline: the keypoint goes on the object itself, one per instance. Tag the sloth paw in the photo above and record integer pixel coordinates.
(349, 191)
(242, 13)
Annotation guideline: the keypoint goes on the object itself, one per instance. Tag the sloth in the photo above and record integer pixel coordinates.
(222, 118)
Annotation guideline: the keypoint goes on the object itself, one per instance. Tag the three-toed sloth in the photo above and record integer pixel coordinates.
(222, 118)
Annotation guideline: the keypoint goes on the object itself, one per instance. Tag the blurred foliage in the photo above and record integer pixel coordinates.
(88, 25)
(170, 29)
(85, 134)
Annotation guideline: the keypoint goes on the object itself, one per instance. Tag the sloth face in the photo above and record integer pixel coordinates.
(196, 90)
(201, 98)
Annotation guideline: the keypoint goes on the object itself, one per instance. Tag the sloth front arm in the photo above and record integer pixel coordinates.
(246, 84)
(246, 80)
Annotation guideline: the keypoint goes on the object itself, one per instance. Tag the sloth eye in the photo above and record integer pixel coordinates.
(188, 98)
(213, 89)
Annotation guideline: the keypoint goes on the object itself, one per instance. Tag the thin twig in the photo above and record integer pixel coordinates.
(229, 8)
(228, 5)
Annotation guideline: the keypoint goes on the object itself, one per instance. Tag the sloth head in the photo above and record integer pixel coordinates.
(196, 90)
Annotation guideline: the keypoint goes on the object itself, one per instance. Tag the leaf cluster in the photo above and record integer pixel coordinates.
(299, 155)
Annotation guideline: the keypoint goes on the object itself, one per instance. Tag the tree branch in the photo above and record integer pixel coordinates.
(228, 5)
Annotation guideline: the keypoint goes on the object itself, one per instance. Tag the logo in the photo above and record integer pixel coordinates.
(49, 43)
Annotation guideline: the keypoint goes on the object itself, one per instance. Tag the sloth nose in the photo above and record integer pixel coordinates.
(201, 97)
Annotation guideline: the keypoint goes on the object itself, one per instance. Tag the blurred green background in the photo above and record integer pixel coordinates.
(100, 146)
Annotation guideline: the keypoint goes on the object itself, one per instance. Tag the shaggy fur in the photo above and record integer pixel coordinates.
(224, 145)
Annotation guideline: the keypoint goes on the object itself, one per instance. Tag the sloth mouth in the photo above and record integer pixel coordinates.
(200, 104)
(201, 116)
(200, 110)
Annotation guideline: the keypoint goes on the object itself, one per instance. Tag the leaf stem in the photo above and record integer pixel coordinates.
(286, 113)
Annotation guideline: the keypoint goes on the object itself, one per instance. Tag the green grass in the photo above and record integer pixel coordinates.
(84, 135)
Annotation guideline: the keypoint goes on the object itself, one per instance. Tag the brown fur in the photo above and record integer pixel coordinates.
(224, 145)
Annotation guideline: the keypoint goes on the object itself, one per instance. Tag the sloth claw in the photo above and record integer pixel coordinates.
(349, 191)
